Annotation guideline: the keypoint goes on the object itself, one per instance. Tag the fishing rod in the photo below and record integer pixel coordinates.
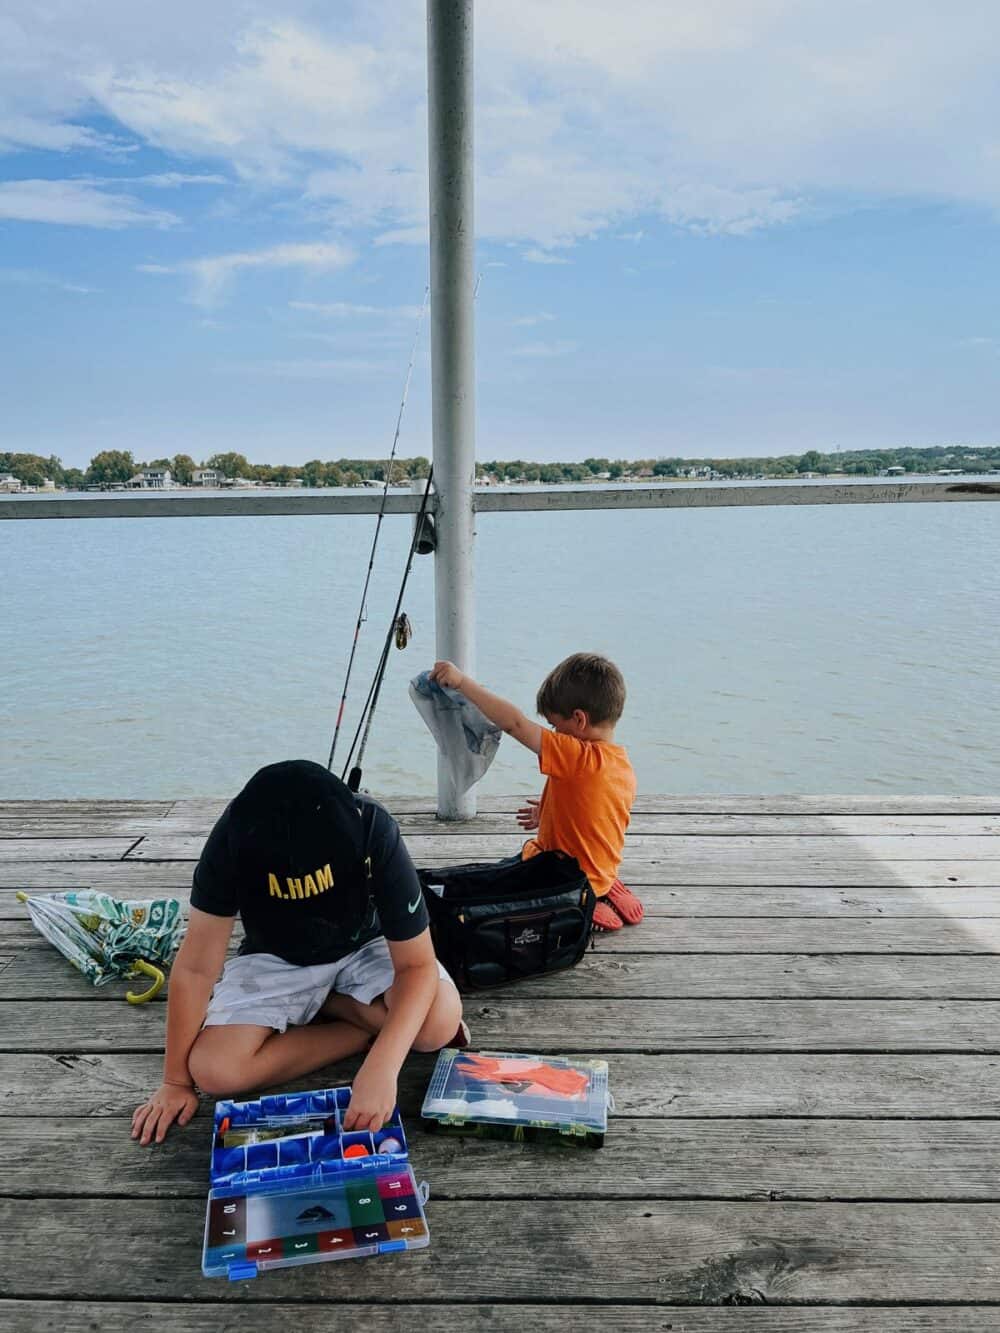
(399, 625)
(363, 609)
(399, 629)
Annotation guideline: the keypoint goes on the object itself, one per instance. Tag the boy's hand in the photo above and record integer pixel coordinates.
(527, 816)
(373, 1097)
(167, 1104)
(448, 674)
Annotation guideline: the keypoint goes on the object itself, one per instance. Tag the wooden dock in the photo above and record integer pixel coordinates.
(804, 1043)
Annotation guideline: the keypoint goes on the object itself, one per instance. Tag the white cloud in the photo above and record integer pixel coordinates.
(418, 235)
(22, 131)
(725, 117)
(545, 350)
(536, 256)
(76, 204)
(172, 180)
(283, 90)
(213, 273)
(529, 321)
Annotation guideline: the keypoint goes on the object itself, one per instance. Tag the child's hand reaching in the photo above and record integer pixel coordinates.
(447, 674)
(527, 816)
(373, 1097)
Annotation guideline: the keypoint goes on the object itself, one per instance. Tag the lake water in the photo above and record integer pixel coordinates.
(842, 649)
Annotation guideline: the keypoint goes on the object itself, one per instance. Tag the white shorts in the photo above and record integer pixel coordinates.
(264, 990)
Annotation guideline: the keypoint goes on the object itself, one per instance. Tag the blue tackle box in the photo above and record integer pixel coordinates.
(289, 1185)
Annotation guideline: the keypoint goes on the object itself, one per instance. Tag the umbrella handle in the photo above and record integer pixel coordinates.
(148, 970)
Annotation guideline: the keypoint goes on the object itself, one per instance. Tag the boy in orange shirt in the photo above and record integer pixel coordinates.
(585, 805)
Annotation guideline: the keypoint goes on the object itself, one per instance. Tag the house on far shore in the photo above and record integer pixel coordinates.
(207, 476)
(9, 483)
(151, 479)
(895, 471)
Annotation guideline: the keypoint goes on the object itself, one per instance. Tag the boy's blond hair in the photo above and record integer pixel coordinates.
(586, 681)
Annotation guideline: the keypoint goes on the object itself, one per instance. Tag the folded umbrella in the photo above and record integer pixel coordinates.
(105, 937)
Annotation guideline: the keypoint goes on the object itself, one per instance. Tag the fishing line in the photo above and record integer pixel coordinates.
(399, 630)
(363, 609)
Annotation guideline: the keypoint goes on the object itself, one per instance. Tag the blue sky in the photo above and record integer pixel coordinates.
(741, 226)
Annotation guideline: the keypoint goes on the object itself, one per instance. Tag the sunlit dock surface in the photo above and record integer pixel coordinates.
(804, 1045)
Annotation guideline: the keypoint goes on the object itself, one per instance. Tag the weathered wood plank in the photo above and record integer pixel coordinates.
(64, 849)
(85, 807)
(143, 879)
(891, 900)
(715, 1253)
(924, 935)
(660, 871)
(35, 971)
(647, 1158)
(701, 825)
(35, 823)
(675, 1086)
(33, 1316)
(761, 900)
(512, 1023)
(132, 818)
(915, 804)
(208, 808)
(134, 879)
(427, 849)
(735, 935)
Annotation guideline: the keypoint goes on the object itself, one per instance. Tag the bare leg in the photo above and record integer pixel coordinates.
(439, 1027)
(371, 1017)
(236, 1057)
(442, 1021)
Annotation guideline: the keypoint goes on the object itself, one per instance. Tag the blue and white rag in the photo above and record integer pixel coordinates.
(465, 736)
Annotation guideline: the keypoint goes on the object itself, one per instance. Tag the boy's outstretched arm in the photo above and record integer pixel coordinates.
(499, 711)
(192, 977)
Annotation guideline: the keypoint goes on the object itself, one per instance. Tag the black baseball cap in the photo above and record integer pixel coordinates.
(292, 817)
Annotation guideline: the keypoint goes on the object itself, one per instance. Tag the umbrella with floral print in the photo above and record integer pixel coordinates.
(105, 937)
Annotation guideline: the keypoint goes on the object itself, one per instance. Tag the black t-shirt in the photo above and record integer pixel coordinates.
(312, 903)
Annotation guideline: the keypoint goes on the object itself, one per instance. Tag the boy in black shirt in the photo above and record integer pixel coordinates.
(335, 926)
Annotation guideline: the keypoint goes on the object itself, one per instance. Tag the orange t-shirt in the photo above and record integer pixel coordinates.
(585, 804)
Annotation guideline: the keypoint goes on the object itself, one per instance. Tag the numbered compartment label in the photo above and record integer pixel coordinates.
(227, 1222)
(410, 1229)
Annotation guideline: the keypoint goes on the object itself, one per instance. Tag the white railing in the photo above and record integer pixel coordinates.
(228, 504)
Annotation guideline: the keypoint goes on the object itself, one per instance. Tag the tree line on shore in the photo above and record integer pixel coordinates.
(116, 466)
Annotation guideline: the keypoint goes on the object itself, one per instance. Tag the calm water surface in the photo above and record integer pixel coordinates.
(830, 649)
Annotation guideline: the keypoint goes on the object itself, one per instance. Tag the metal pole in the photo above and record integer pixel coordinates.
(449, 117)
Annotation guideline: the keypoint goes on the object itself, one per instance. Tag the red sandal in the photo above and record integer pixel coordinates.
(625, 903)
(605, 916)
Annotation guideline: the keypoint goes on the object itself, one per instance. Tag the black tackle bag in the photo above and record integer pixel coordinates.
(509, 919)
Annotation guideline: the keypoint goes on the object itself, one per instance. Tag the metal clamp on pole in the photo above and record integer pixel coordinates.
(425, 533)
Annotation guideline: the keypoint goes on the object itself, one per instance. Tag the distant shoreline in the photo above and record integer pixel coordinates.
(114, 469)
(629, 483)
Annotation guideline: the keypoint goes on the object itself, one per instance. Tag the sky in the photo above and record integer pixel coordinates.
(717, 228)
